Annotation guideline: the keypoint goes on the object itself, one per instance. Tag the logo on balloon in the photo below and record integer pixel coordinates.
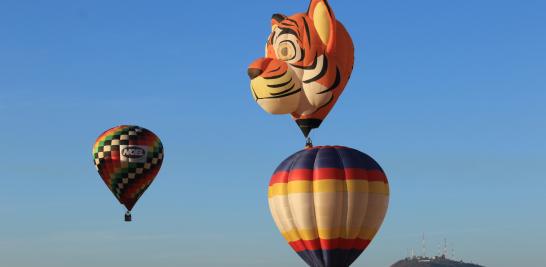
(133, 153)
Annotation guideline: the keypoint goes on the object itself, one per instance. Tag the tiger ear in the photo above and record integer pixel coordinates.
(324, 21)
(277, 18)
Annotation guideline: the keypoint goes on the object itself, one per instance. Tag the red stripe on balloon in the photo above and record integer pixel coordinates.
(328, 173)
(324, 244)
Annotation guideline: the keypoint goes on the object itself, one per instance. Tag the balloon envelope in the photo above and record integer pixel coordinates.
(308, 62)
(328, 202)
(128, 158)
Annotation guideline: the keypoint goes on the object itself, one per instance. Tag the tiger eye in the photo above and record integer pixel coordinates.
(284, 51)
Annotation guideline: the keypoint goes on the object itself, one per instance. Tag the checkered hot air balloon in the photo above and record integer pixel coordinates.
(328, 203)
(128, 158)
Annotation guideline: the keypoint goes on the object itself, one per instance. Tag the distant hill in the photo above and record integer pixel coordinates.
(432, 262)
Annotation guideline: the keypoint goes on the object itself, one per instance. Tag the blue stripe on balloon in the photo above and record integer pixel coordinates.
(353, 157)
(330, 258)
(328, 157)
(287, 163)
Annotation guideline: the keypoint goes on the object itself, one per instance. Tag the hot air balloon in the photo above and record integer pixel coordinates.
(128, 159)
(328, 202)
(308, 62)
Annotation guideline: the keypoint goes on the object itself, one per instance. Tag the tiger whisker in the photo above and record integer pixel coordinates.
(279, 85)
(279, 96)
(284, 91)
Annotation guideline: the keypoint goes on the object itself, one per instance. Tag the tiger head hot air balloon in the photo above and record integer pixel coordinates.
(328, 203)
(128, 158)
(308, 61)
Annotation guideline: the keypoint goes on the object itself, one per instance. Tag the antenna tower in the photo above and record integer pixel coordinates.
(424, 247)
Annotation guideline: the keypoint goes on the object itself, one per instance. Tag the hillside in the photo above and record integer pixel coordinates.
(432, 262)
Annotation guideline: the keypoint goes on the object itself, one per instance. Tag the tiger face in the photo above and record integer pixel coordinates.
(308, 61)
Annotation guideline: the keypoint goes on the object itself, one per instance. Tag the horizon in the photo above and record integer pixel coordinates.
(447, 96)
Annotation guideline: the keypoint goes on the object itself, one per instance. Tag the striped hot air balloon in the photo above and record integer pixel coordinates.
(128, 158)
(328, 202)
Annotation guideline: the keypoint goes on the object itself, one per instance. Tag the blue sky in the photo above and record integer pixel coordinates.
(448, 96)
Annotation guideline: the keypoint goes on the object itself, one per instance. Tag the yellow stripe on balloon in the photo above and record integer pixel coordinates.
(328, 185)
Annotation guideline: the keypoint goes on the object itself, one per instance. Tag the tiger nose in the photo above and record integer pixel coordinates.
(254, 72)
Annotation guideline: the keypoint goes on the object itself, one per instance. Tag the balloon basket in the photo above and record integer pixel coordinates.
(308, 142)
(128, 217)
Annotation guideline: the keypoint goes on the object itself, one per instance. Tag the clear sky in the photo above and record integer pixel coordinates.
(448, 96)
